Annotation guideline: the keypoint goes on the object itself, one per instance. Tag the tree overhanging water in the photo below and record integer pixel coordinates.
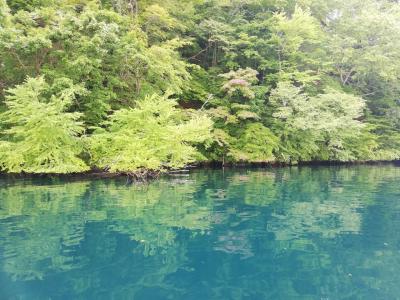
(144, 87)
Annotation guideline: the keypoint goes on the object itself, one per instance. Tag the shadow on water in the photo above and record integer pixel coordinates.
(285, 233)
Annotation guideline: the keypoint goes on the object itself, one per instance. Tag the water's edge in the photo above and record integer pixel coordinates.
(148, 175)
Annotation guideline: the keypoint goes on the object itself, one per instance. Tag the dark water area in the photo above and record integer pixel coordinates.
(284, 233)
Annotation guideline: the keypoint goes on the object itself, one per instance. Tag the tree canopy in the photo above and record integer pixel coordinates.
(124, 85)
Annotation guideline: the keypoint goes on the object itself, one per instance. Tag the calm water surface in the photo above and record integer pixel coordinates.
(290, 233)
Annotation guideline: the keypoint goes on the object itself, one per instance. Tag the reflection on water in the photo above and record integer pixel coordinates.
(290, 233)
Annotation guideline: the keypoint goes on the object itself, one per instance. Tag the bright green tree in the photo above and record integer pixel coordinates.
(155, 135)
(39, 136)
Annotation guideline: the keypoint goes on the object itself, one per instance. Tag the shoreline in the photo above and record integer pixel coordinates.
(148, 175)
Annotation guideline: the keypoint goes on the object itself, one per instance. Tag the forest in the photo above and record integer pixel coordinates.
(127, 86)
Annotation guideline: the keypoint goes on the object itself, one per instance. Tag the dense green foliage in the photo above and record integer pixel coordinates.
(150, 136)
(90, 83)
(41, 136)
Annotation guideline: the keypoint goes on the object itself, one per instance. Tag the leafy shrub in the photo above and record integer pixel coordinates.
(39, 136)
(154, 135)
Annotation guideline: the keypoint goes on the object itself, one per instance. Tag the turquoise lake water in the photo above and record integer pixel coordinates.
(285, 233)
